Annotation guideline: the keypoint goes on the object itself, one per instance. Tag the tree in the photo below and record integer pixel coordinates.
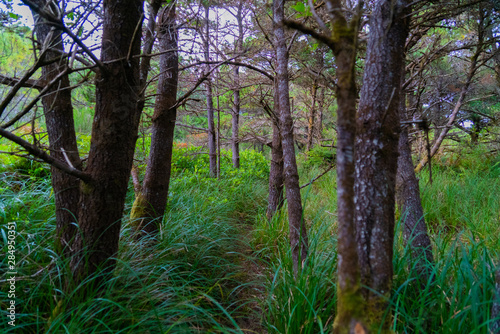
(210, 103)
(298, 234)
(342, 40)
(104, 178)
(376, 151)
(58, 112)
(275, 199)
(235, 146)
(149, 206)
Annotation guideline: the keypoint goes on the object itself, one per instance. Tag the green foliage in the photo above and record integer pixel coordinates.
(318, 156)
(458, 296)
(463, 194)
(306, 303)
(189, 281)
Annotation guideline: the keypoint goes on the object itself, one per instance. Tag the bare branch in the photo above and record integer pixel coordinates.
(37, 152)
(29, 83)
(58, 23)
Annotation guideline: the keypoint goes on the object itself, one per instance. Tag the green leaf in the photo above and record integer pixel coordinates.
(300, 7)
(14, 16)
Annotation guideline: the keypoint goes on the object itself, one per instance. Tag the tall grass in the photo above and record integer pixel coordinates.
(462, 209)
(197, 276)
(191, 279)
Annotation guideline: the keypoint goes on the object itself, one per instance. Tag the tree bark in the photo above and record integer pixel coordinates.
(235, 145)
(376, 155)
(212, 150)
(275, 201)
(298, 235)
(114, 134)
(150, 204)
(410, 205)
(349, 299)
(58, 112)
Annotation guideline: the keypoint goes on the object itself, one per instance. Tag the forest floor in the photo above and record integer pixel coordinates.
(253, 271)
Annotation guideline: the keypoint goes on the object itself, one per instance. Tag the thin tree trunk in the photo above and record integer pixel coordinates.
(235, 145)
(149, 206)
(312, 116)
(275, 201)
(349, 300)
(376, 155)
(321, 106)
(114, 133)
(149, 38)
(212, 150)
(410, 205)
(298, 235)
(58, 112)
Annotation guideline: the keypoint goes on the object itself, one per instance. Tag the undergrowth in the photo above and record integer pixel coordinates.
(190, 280)
(195, 277)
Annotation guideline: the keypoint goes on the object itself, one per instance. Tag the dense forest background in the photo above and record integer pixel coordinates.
(250, 166)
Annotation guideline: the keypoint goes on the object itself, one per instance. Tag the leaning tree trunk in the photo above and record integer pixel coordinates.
(114, 133)
(212, 149)
(275, 201)
(298, 235)
(58, 112)
(150, 203)
(376, 155)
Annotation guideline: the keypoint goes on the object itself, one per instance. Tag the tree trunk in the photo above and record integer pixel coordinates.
(58, 112)
(319, 121)
(349, 305)
(114, 133)
(235, 145)
(276, 171)
(409, 204)
(212, 150)
(149, 206)
(298, 235)
(312, 116)
(376, 155)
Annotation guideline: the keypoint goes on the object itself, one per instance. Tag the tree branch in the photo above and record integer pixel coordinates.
(311, 32)
(29, 83)
(37, 152)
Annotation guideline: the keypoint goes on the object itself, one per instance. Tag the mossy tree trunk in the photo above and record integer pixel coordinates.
(378, 128)
(349, 300)
(150, 204)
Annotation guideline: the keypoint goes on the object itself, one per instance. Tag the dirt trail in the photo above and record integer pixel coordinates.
(253, 278)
